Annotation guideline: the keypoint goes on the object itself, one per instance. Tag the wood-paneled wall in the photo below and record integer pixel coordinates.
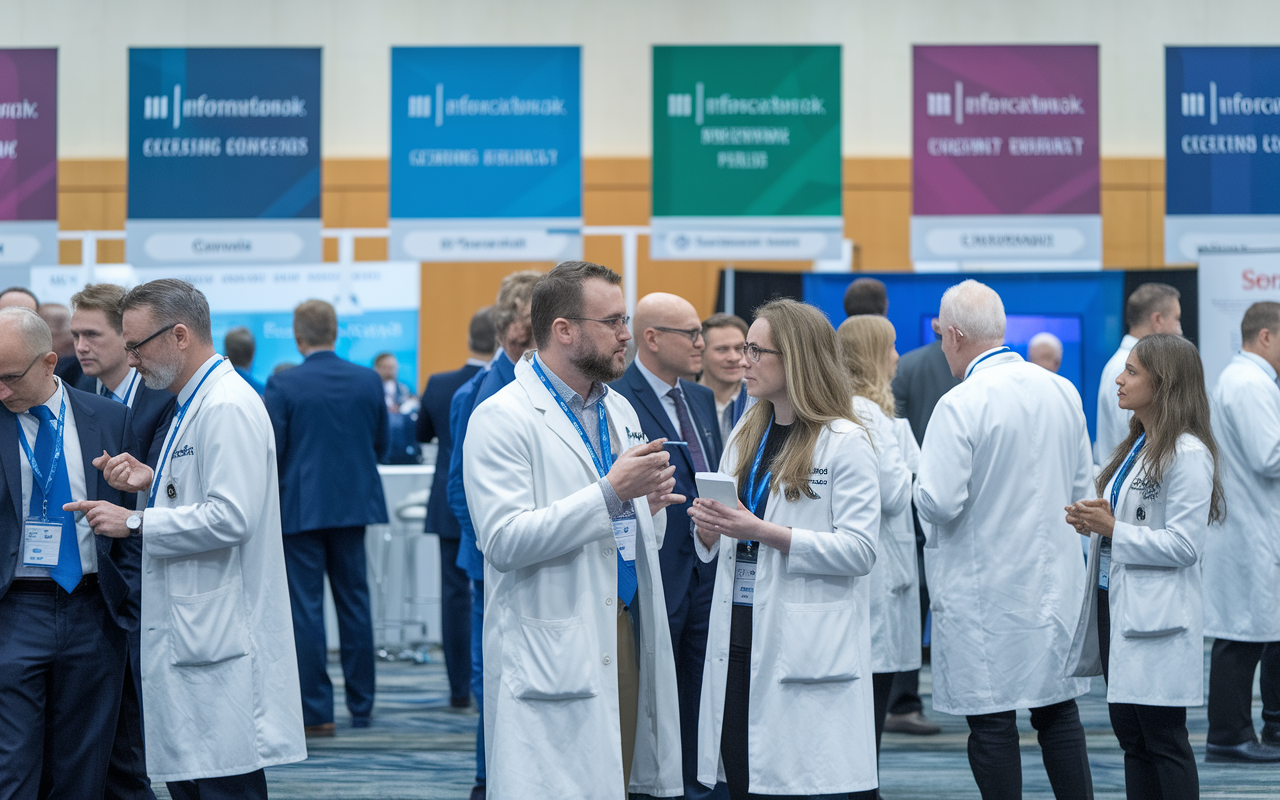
(877, 209)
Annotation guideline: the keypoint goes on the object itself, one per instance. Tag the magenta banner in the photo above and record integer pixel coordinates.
(1005, 165)
(28, 135)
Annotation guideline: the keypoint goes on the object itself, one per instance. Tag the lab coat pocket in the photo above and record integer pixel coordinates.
(1153, 602)
(817, 643)
(552, 659)
(208, 628)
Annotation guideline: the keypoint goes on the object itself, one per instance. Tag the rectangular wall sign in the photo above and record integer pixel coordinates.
(224, 156)
(486, 153)
(746, 153)
(28, 162)
(1005, 165)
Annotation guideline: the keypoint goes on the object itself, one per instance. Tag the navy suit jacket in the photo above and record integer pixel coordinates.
(100, 425)
(676, 557)
(330, 422)
(149, 419)
(433, 423)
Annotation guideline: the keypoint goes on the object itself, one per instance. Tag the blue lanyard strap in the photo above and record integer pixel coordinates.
(602, 460)
(756, 493)
(177, 427)
(992, 354)
(45, 482)
(1118, 483)
(129, 391)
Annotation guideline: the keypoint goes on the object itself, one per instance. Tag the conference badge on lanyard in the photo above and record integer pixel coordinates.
(1104, 549)
(42, 536)
(748, 552)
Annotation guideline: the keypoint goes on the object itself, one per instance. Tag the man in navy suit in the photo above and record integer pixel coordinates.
(63, 646)
(98, 335)
(669, 349)
(330, 423)
(433, 423)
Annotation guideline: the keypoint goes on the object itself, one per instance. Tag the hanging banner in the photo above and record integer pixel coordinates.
(486, 153)
(1222, 150)
(1228, 283)
(224, 156)
(376, 301)
(28, 162)
(746, 153)
(1005, 165)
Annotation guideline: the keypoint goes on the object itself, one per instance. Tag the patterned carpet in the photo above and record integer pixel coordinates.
(420, 749)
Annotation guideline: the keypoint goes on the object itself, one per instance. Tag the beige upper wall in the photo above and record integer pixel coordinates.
(616, 35)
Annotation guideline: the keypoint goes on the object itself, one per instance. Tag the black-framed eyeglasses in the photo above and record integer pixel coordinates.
(618, 323)
(753, 352)
(132, 349)
(694, 334)
(11, 379)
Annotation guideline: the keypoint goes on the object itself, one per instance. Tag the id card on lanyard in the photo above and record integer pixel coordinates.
(748, 552)
(173, 439)
(1104, 550)
(42, 535)
(624, 527)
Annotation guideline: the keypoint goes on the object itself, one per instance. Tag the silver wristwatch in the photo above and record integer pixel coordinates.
(134, 524)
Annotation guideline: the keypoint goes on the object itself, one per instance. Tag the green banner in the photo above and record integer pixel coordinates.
(747, 139)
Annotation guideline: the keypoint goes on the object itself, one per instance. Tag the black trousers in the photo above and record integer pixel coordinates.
(127, 772)
(1158, 761)
(455, 620)
(904, 695)
(996, 758)
(251, 786)
(1231, 668)
(881, 687)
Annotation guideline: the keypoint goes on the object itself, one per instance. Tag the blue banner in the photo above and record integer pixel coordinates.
(224, 133)
(486, 153)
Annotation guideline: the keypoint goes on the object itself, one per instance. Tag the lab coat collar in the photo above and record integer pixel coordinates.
(189, 387)
(555, 417)
(1127, 343)
(1259, 361)
(990, 358)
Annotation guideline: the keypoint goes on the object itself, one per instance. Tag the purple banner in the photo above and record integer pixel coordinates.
(1005, 130)
(28, 135)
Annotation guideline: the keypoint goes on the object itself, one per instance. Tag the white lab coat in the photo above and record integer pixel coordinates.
(1113, 421)
(810, 716)
(1157, 643)
(551, 720)
(895, 596)
(1005, 451)
(1242, 557)
(219, 667)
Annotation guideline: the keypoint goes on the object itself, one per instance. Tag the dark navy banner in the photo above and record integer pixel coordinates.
(224, 133)
(486, 153)
(1222, 149)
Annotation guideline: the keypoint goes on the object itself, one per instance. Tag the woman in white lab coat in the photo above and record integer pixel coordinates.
(786, 705)
(867, 350)
(1142, 622)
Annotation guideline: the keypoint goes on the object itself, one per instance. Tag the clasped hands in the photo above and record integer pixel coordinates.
(1091, 516)
(645, 471)
(123, 473)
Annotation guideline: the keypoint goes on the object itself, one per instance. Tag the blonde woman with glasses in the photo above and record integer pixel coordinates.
(786, 706)
(867, 350)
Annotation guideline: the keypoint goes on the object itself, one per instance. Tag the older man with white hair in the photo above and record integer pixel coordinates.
(1045, 350)
(1005, 451)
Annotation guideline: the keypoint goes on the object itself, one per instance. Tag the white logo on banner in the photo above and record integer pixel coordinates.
(939, 104)
(424, 106)
(157, 107)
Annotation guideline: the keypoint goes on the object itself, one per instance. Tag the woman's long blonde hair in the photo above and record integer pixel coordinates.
(865, 341)
(1179, 405)
(818, 387)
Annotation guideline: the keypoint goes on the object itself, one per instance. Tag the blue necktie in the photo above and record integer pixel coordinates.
(105, 392)
(68, 572)
(688, 431)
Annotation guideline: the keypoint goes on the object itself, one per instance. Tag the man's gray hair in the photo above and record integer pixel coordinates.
(1045, 338)
(172, 302)
(975, 309)
(33, 330)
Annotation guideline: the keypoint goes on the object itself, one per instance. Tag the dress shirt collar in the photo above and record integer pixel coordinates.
(659, 386)
(571, 398)
(1261, 362)
(476, 362)
(54, 403)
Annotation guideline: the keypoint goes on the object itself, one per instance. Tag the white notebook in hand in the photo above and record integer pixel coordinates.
(717, 486)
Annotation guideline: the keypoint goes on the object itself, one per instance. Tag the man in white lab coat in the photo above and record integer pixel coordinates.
(1242, 559)
(219, 675)
(1151, 308)
(1005, 451)
(568, 499)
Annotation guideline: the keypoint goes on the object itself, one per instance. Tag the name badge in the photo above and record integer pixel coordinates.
(624, 533)
(744, 576)
(1104, 564)
(41, 540)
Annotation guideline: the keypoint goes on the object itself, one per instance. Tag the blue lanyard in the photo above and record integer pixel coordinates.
(975, 364)
(46, 482)
(604, 460)
(182, 412)
(756, 493)
(129, 391)
(1118, 483)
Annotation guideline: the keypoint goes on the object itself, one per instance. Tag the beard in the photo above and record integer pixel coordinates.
(161, 375)
(597, 366)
